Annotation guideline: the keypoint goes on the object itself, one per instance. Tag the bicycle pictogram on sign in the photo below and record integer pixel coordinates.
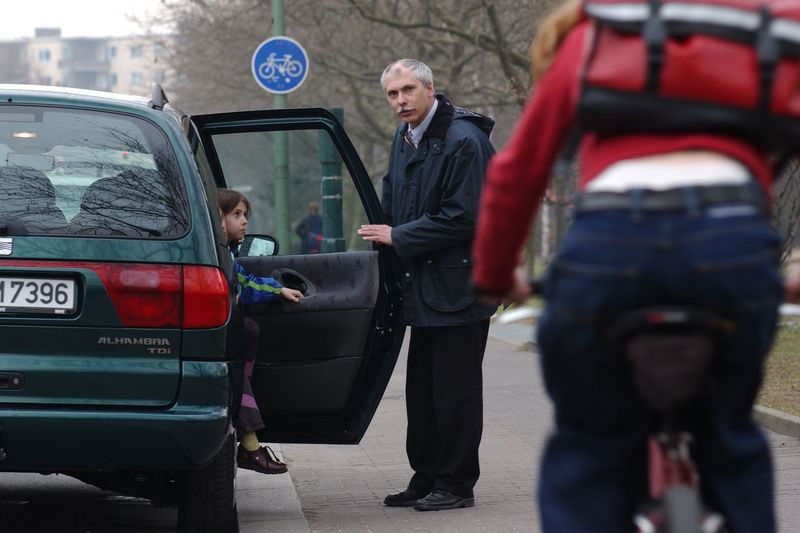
(280, 65)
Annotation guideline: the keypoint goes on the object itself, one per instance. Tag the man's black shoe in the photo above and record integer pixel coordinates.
(407, 498)
(439, 500)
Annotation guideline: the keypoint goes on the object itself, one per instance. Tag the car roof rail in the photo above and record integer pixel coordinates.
(159, 97)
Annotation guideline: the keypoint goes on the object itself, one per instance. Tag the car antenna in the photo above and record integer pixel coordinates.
(159, 97)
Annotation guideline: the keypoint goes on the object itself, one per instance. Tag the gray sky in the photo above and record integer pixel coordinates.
(77, 18)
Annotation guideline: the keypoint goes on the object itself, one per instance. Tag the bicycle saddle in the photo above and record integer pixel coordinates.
(670, 350)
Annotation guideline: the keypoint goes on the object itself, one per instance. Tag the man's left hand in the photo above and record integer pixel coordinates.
(380, 233)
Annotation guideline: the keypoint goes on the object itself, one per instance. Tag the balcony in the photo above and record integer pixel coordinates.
(84, 65)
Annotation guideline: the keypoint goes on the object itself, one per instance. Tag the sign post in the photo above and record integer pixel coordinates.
(280, 66)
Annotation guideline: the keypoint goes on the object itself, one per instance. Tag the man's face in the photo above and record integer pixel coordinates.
(408, 97)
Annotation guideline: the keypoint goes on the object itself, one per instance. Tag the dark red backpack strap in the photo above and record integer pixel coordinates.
(654, 34)
(769, 55)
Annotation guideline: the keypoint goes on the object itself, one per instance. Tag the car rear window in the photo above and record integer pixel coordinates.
(66, 171)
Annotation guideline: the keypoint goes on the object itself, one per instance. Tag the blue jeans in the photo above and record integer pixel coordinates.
(593, 469)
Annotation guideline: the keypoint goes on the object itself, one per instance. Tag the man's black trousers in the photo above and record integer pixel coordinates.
(444, 403)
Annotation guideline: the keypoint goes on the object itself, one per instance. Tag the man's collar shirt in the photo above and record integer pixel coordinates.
(414, 135)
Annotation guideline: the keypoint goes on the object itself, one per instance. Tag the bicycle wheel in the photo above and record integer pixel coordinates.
(682, 510)
(266, 70)
(294, 68)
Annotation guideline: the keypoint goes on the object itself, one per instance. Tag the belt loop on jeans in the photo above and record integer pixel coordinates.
(692, 199)
(637, 204)
(758, 193)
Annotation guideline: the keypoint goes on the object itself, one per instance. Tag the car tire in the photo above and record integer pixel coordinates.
(207, 497)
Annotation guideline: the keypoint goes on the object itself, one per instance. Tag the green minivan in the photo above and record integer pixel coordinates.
(119, 338)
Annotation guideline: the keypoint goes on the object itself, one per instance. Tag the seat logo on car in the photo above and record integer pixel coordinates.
(153, 345)
(5, 245)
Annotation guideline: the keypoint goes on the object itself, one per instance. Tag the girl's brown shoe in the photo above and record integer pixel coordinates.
(262, 460)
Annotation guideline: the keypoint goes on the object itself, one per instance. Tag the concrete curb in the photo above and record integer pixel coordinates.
(777, 421)
(771, 419)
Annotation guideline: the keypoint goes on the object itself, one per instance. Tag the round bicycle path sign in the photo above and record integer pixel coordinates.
(280, 65)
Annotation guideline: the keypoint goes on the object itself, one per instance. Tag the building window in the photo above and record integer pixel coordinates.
(113, 79)
(136, 79)
(66, 52)
(44, 80)
(112, 52)
(137, 51)
(44, 56)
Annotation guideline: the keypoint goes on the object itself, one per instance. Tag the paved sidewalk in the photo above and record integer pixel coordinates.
(340, 488)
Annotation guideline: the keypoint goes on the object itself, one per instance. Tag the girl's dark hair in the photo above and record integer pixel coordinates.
(228, 199)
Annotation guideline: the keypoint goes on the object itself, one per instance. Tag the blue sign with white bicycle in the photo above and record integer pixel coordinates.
(280, 65)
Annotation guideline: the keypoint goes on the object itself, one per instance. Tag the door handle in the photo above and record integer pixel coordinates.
(11, 381)
(292, 279)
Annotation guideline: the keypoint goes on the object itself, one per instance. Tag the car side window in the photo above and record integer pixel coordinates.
(307, 200)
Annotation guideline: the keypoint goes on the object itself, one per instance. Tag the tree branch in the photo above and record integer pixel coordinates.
(503, 54)
(479, 39)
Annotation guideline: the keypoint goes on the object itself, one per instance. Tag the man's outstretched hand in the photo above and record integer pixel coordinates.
(518, 294)
(380, 233)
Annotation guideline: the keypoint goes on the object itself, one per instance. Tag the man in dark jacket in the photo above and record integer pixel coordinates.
(430, 199)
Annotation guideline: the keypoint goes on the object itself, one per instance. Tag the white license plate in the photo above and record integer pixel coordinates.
(37, 295)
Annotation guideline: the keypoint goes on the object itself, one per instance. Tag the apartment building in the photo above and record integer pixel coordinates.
(117, 64)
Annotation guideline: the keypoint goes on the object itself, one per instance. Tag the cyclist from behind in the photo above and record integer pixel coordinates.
(654, 224)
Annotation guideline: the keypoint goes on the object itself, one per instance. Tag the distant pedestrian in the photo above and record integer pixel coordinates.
(309, 229)
(430, 199)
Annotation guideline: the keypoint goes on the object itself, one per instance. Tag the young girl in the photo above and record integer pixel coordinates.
(234, 208)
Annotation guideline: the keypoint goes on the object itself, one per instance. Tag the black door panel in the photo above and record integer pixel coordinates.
(326, 388)
(310, 353)
(347, 280)
(311, 337)
(324, 363)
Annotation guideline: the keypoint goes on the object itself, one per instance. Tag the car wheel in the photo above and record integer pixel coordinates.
(207, 497)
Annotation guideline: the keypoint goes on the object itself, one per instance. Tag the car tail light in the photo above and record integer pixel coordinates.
(156, 296)
(206, 297)
(144, 296)
(163, 296)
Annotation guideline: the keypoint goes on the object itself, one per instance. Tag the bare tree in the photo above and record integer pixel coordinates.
(478, 50)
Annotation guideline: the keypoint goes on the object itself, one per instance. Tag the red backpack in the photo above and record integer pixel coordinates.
(713, 66)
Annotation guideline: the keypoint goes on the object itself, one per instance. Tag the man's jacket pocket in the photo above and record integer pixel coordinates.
(446, 282)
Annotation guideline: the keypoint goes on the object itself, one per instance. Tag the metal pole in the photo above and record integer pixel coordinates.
(280, 151)
(332, 191)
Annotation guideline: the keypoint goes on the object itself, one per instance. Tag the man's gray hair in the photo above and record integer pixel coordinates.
(418, 68)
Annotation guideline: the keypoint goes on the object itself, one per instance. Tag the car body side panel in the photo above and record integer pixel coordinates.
(182, 437)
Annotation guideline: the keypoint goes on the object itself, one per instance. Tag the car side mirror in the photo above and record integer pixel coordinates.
(258, 245)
